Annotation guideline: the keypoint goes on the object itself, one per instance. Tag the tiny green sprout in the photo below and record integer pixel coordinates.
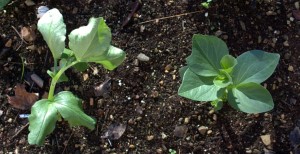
(172, 151)
(206, 4)
(90, 43)
(213, 75)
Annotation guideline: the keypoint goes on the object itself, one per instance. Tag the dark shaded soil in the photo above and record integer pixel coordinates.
(144, 94)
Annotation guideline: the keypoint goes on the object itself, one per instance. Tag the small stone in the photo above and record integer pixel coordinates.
(297, 5)
(215, 117)
(259, 39)
(10, 120)
(159, 151)
(211, 112)
(29, 3)
(209, 132)
(286, 43)
(202, 130)
(85, 76)
(163, 135)
(142, 28)
(143, 57)
(287, 56)
(186, 120)
(270, 13)
(8, 43)
(155, 94)
(150, 137)
(243, 25)
(291, 68)
(75, 10)
(168, 68)
(266, 139)
(1, 112)
(131, 146)
(31, 47)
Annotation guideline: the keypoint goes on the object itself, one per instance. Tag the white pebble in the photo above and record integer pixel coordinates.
(143, 57)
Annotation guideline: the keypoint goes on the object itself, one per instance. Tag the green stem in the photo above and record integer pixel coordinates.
(56, 78)
(55, 66)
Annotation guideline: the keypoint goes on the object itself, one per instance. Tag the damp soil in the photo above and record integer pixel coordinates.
(143, 94)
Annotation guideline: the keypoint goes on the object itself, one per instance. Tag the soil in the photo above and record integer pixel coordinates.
(143, 94)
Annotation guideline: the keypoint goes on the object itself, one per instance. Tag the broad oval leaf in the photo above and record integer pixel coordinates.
(70, 108)
(89, 43)
(199, 88)
(53, 29)
(254, 66)
(250, 98)
(42, 121)
(207, 52)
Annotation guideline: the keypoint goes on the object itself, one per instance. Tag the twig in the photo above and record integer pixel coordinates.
(178, 15)
(20, 131)
(67, 142)
(20, 38)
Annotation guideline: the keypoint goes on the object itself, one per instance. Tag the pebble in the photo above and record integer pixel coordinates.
(1, 112)
(209, 132)
(286, 43)
(150, 137)
(159, 151)
(215, 117)
(29, 3)
(186, 120)
(8, 43)
(143, 57)
(10, 120)
(270, 13)
(297, 5)
(243, 25)
(163, 135)
(291, 68)
(131, 146)
(202, 130)
(287, 56)
(266, 139)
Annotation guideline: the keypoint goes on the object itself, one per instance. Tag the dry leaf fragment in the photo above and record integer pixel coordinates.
(28, 34)
(114, 131)
(22, 100)
(103, 89)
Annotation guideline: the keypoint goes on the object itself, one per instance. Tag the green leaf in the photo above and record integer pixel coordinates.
(254, 66)
(207, 52)
(90, 42)
(228, 62)
(217, 104)
(223, 79)
(81, 66)
(42, 121)
(45, 113)
(3, 3)
(113, 58)
(70, 108)
(67, 53)
(250, 98)
(199, 88)
(182, 71)
(53, 29)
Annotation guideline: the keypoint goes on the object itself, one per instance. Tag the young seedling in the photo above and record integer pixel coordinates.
(213, 75)
(89, 43)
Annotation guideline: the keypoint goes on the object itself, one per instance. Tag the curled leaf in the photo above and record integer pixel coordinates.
(22, 100)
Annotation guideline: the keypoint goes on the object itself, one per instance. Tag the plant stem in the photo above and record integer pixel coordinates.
(56, 78)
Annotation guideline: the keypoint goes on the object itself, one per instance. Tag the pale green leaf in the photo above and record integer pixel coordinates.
(70, 108)
(113, 58)
(223, 79)
(250, 98)
(90, 43)
(42, 121)
(254, 66)
(228, 62)
(199, 88)
(53, 29)
(207, 52)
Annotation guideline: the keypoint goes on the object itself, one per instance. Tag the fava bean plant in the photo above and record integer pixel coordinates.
(87, 44)
(213, 75)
